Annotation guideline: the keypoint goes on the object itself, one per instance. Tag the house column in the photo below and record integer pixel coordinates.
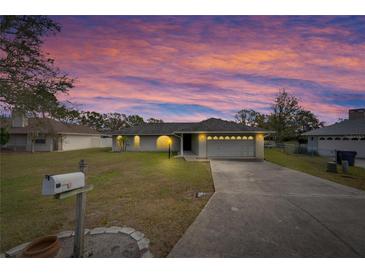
(259, 146)
(182, 144)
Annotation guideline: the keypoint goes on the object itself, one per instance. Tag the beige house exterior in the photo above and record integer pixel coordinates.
(209, 139)
(45, 134)
(348, 135)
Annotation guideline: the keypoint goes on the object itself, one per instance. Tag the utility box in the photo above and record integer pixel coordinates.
(55, 184)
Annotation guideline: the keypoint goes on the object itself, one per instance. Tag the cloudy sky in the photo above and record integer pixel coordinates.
(194, 67)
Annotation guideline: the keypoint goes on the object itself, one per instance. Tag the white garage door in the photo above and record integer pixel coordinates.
(230, 148)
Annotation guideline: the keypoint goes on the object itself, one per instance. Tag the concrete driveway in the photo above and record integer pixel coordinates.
(263, 210)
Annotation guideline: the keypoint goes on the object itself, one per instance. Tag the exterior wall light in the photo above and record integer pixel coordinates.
(136, 141)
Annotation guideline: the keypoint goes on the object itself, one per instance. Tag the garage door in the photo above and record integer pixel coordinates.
(230, 146)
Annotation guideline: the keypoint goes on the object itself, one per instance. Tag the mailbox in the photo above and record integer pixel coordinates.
(55, 184)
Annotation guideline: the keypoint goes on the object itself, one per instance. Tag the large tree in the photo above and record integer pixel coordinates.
(306, 121)
(29, 80)
(252, 118)
(284, 116)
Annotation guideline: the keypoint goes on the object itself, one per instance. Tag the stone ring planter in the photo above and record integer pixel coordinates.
(43, 247)
(142, 243)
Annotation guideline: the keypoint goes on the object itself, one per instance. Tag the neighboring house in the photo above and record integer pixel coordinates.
(346, 135)
(211, 138)
(45, 134)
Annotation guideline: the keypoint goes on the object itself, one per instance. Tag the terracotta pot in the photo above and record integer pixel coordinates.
(43, 247)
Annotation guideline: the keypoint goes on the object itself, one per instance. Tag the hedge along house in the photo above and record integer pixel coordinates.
(45, 134)
(346, 135)
(211, 138)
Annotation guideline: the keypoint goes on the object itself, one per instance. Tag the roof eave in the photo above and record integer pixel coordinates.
(196, 132)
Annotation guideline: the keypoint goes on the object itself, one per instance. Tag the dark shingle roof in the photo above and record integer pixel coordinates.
(347, 127)
(47, 125)
(209, 125)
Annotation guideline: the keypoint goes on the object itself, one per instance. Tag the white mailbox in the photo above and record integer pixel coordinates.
(54, 184)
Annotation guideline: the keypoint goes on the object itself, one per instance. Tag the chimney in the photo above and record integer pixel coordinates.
(357, 114)
(18, 119)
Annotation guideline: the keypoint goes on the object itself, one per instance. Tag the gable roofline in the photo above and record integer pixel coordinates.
(211, 125)
(48, 126)
(346, 127)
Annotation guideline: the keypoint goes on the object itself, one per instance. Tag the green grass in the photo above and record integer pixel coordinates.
(316, 165)
(146, 191)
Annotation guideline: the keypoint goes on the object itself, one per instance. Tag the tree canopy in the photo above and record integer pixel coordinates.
(29, 80)
(287, 118)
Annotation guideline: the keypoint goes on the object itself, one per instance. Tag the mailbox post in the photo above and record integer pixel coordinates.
(66, 185)
(78, 251)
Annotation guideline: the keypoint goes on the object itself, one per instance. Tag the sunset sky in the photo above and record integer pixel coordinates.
(191, 68)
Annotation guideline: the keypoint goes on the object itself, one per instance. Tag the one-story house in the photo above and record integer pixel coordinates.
(346, 135)
(45, 134)
(211, 138)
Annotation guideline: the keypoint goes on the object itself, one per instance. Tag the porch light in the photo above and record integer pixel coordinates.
(260, 137)
(201, 137)
(163, 142)
(137, 141)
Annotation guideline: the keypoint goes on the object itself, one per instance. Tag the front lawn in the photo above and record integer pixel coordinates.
(316, 166)
(146, 191)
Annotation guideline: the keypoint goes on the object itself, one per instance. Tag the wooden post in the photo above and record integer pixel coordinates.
(182, 145)
(78, 251)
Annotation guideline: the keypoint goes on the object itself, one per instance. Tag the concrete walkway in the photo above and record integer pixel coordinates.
(263, 210)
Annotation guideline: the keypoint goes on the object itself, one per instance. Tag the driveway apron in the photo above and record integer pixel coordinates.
(260, 209)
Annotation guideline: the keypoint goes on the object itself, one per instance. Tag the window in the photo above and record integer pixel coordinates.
(312, 138)
(209, 138)
(221, 138)
(226, 138)
(322, 138)
(244, 138)
(215, 138)
(362, 139)
(337, 138)
(354, 139)
(238, 138)
(233, 138)
(345, 139)
(329, 138)
(250, 137)
(40, 141)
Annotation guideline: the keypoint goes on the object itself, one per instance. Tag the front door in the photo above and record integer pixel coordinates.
(187, 142)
